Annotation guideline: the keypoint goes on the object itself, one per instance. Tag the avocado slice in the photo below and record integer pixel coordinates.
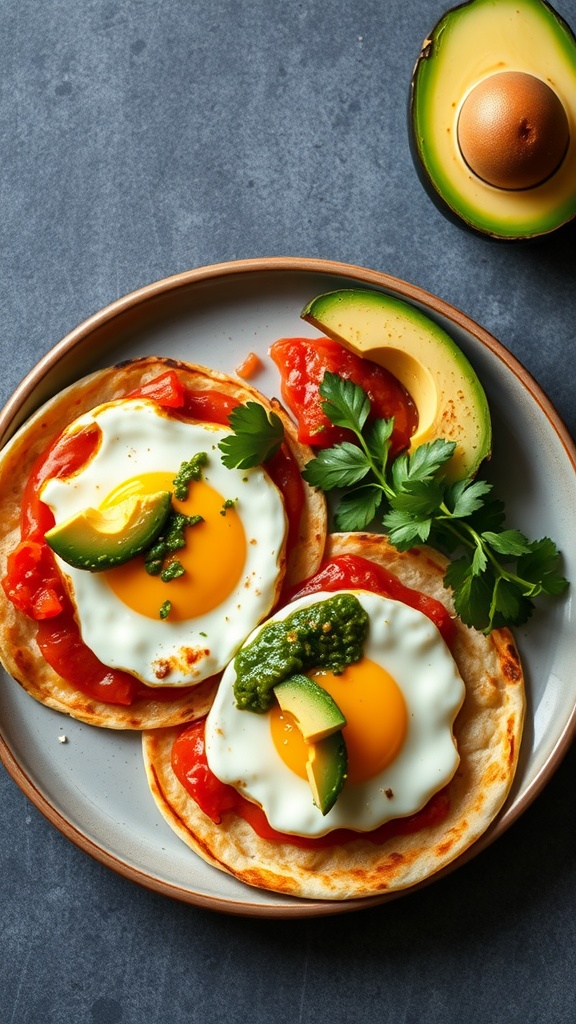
(468, 49)
(327, 767)
(450, 399)
(315, 710)
(99, 539)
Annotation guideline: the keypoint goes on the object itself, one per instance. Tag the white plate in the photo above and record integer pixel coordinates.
(92, 786)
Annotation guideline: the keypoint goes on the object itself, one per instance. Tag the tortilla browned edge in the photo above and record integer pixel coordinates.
(19, 652)
(488, 733)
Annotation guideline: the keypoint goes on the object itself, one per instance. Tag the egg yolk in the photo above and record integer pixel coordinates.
(213, 557)
(376, 720)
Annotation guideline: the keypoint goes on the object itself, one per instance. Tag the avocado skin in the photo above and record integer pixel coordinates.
(85, 548)
(450, 210)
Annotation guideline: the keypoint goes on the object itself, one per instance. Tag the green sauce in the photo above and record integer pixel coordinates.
(329, 634)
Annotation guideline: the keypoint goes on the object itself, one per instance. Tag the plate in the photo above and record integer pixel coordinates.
(89, 782)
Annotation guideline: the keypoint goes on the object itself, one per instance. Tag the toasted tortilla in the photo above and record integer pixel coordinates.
(19, 652)
(488, 732)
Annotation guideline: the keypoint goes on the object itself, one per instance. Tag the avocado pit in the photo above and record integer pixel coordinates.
(513, 130)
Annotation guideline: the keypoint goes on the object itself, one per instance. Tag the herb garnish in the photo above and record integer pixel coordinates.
(188, 472)
(258, 434)
(228, 503)
(172, 539)
(498, 572)
(165, 609)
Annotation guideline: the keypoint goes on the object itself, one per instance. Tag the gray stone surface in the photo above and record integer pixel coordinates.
(142, 138)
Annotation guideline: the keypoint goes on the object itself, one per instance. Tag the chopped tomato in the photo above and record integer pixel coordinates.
(215, 798)
(209, 406)
(32, 581)
(249, 366)
(303, 362)
(166, 390)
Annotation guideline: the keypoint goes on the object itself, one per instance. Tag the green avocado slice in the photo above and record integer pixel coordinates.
(327, 768)
(100, 539)
(448, 395)
(320, 721)
(315, 710)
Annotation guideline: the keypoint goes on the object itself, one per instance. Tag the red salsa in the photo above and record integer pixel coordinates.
(304, 361)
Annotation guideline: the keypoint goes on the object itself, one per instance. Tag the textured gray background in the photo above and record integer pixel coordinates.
(145, 137)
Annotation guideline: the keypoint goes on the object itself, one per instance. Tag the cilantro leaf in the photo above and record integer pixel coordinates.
(342, 465)
(258, 434)
(358, 508)
(507, 542)
(472, 593)
(346, 404)
(418, 498)
(467, 496)
(541, 567)
(378, 437)
(405, 532)
(423, 464)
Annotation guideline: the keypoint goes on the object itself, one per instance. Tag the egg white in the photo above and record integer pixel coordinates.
(138, 438)
(241, 752)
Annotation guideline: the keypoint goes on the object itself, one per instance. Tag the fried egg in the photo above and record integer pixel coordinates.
(400, 702)
(233, 560)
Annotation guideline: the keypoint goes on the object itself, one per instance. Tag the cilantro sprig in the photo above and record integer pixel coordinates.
(258, 434)
(498, 572)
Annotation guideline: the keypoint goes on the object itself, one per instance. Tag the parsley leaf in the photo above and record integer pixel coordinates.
(358, 508)
(258, 434)
(340, 466)
(498, 571)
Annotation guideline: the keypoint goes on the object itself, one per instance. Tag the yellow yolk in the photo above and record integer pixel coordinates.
(213, 558)
(376, 720)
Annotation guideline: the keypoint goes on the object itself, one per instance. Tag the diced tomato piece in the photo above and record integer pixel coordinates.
(166, 390)
(32, 582)
(209, 406)
(304, 361)
(249, 366)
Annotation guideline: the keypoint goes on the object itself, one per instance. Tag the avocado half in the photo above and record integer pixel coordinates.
(470, 43)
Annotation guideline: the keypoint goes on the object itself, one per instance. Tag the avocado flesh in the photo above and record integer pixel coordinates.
(450, 400)
(315, 711)
(327, 767)
(100, 539)
(471, 42)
